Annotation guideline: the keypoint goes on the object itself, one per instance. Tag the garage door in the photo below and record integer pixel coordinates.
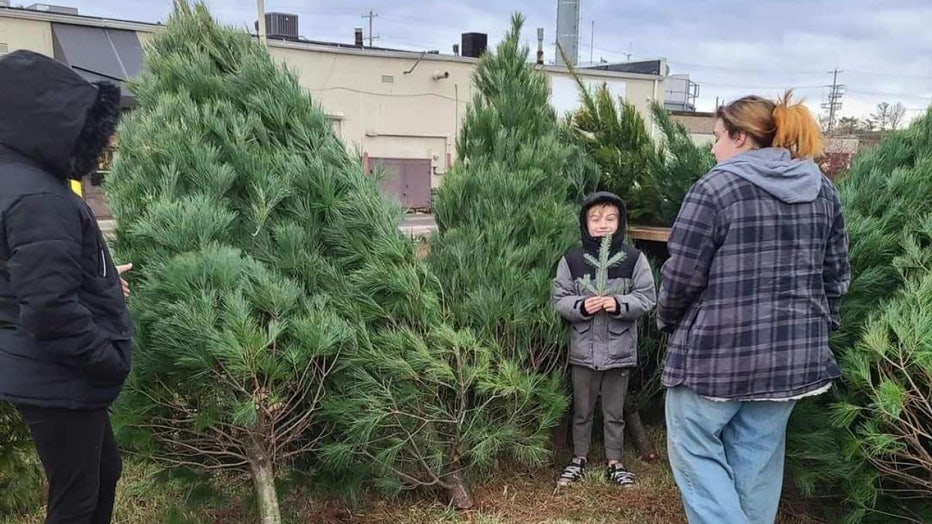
(406, 179)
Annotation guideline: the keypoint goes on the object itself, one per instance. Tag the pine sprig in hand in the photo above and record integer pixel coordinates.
(602, 264)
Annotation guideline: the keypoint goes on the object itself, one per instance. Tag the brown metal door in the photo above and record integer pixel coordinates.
(406, 179)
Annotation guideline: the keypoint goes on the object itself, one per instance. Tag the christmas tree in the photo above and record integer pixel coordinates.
(260, 250)
(887, 199)
(615, 135)
(508, 210)
(279, 309)
(676, 165)
(651, 175)
(440, 404)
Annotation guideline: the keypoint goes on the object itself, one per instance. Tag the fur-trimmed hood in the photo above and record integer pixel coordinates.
(53, 116)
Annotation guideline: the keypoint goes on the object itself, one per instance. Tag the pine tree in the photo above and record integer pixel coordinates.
(889, 377)
(439, 411)
(508, 210)
(887, 200)
(440, 402)
(677, 164)
(262, 253)
(616, 137)
(651, 175)
(21, 478)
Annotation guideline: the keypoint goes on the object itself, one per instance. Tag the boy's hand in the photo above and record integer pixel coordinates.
(593, 305)
(609, 304)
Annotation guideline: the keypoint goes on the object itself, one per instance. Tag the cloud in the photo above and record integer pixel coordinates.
(730, 47)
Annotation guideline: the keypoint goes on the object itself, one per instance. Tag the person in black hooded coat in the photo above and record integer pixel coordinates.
(65, 331)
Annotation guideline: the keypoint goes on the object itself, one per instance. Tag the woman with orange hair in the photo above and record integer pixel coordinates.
(758, 265)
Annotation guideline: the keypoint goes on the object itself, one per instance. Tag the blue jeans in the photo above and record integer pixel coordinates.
(727, 457)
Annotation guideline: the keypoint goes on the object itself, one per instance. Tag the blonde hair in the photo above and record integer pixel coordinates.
(782, 123)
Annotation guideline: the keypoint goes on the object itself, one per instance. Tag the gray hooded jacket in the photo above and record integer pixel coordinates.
(603, 340)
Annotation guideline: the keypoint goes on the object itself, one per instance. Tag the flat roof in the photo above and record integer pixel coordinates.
(301, 44)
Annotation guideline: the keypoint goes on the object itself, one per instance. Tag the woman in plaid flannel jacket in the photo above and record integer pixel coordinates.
(758, 266)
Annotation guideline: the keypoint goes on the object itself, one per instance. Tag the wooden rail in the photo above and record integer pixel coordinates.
(655, 234)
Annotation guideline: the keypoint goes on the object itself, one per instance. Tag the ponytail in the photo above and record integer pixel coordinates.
(796, 129)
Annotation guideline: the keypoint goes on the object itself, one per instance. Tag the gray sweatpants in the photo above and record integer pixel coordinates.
(587, 385)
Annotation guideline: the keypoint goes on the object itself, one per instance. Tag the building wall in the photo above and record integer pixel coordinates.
(390, 104)
(389, 107)
(383, 104)
(26, 34)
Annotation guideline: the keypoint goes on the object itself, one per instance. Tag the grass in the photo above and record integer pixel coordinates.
(515, 496)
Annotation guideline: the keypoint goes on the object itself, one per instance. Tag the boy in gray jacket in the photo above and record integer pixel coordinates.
(603, 337)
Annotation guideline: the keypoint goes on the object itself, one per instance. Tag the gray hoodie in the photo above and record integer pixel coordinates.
(772, 169)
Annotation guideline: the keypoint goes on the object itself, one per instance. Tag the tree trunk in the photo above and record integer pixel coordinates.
(560, 437)
(459, 492)
(264, 478)
(639, 435)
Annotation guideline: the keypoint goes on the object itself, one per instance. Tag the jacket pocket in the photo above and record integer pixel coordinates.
(622, 341)
(581, 343)
(111, 367)
(681, 335)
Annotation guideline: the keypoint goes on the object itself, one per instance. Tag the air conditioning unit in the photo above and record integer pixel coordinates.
(474, 44)
(281, 25)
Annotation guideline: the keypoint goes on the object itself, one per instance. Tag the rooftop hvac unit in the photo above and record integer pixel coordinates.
(474, 44)
(281, 25)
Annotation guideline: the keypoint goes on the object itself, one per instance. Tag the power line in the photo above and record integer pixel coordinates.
(743, 70)
(748, 86)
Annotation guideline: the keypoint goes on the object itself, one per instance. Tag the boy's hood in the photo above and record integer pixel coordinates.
(592, 244)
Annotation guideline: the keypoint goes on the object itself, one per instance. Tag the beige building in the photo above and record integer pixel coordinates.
(699, 125)
(398, 109)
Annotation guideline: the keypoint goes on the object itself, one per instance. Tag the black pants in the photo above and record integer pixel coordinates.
(81, 462)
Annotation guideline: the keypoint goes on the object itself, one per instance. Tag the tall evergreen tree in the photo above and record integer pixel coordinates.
(451, 397)
(887, 198)
(276, 286)
(677, 164)
(617, 138)
(652, 174)
(508, 209)
(260, 249)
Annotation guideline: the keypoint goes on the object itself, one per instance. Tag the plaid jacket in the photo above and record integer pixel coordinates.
(752, 288)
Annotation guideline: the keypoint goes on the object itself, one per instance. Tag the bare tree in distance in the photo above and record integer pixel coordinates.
(881, 116)
(895, 117)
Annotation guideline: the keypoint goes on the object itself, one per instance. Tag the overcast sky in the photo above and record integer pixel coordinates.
(729, 47)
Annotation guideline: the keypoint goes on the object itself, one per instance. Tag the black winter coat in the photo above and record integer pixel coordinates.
(65, 331)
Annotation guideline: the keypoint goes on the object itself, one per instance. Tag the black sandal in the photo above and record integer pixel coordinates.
(619, 475)
(572, 472)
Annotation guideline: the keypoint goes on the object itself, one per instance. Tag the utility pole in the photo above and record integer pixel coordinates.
(833, 102)
(260, 5)
(371, 15)
(591, 41)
